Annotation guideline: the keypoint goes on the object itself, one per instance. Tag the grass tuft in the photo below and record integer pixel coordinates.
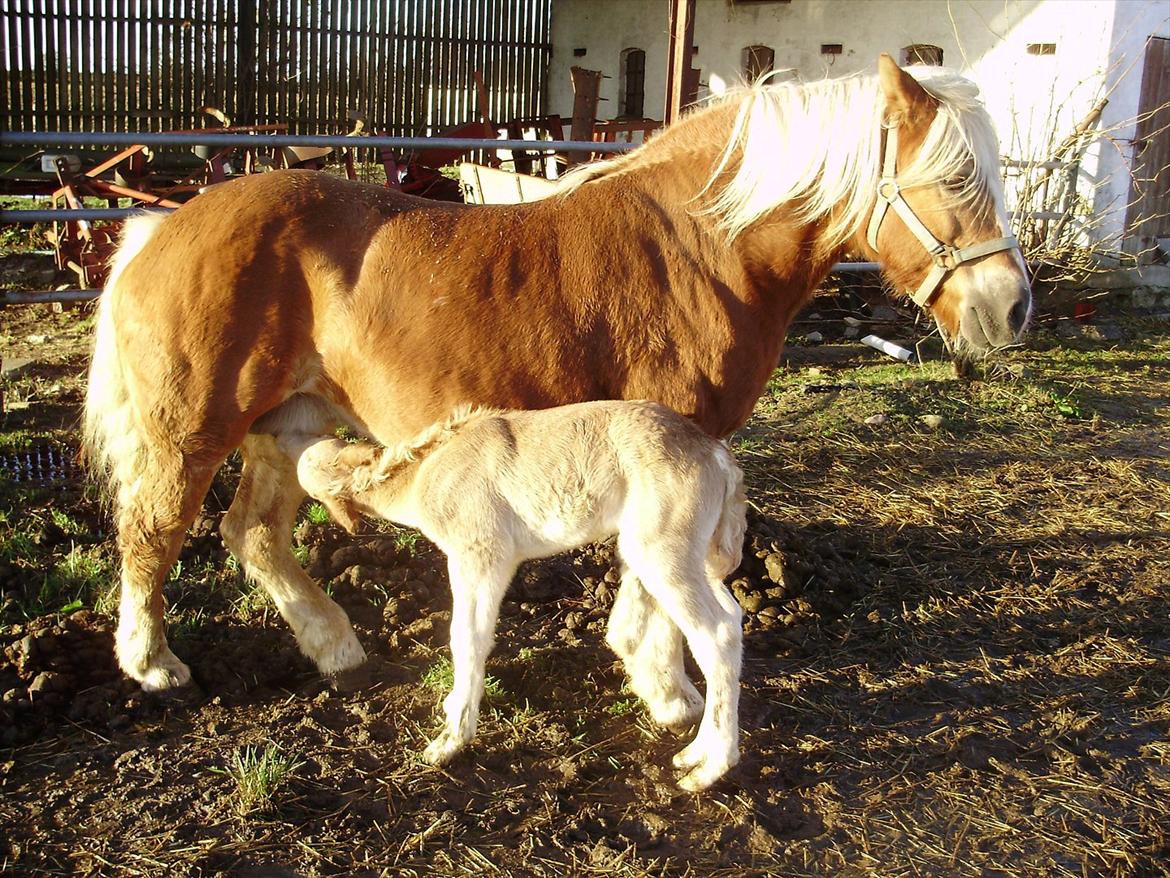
(259, 776)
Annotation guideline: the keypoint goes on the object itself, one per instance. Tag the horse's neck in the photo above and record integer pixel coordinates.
(399, 470)
(389, 495)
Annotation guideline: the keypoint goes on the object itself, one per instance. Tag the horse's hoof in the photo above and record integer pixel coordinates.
(345, 654)
(442, 749)
(168, 674)
(363, 676)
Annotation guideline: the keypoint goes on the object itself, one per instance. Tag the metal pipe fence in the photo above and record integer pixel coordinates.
(71, 138)
(213, 138)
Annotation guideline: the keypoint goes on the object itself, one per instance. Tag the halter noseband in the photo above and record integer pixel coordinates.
(946, 257)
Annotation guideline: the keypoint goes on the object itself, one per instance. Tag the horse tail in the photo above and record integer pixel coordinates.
(727, 542)
(113, 443)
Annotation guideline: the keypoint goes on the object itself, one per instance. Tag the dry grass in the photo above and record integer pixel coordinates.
(971, 677)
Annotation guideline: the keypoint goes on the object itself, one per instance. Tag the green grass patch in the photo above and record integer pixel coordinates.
(440, 677)
(315, 513)
(259, 775)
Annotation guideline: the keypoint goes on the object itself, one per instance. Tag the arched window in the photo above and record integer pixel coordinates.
(633, 81)
(757, 61)
(921, 53)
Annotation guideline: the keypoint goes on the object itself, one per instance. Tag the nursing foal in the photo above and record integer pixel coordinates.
(492, 489)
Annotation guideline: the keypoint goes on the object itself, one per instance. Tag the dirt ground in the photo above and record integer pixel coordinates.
(957, 600)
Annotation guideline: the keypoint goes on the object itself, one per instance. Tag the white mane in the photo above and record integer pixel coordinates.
(393, 456)
(818, 145)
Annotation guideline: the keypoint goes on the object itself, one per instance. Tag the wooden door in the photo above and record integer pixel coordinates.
(1148, 215)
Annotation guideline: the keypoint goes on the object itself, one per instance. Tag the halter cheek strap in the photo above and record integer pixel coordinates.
(946, 257)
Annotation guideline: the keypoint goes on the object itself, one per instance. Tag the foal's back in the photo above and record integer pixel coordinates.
(573, 474)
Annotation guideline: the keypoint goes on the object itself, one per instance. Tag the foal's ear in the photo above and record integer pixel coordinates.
(905, 98)
(344, 511)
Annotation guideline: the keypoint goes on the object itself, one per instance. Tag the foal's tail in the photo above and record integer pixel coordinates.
(113, 442)
(727, 542)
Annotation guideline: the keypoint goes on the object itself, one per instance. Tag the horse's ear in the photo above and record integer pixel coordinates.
(905, 98)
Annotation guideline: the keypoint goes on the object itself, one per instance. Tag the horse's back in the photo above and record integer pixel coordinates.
(215, 315)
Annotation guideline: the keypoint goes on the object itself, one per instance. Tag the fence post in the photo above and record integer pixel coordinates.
(245, 113)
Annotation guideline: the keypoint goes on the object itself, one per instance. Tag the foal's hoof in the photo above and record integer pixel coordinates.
(705, 769)
(443, 748)
(170, 673)
(702, 776)
(678, 713)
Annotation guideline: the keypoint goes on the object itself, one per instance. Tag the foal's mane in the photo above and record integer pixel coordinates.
(415, 449)
(817, 146)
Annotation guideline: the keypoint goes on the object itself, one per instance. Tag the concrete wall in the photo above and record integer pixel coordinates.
(1036, 100)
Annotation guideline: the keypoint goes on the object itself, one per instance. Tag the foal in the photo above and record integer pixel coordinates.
(492, 489)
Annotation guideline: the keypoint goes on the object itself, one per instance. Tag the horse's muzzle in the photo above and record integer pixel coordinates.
(996, 314)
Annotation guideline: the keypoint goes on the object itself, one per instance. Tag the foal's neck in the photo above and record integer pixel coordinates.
(395, 472)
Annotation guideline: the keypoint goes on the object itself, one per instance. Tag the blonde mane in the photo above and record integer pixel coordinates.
(416, 448)
(817, 146)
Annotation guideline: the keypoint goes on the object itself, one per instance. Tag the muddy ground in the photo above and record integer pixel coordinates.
(957, 654)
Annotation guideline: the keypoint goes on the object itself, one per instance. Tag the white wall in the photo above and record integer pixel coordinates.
(1035, 100)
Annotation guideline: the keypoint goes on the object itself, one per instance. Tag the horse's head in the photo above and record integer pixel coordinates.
(938, 225)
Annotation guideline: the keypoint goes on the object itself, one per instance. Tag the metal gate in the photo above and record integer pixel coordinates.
(152, 65)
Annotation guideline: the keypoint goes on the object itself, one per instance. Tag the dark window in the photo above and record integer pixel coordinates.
(757, 61)
(921, 53)
(633, 83)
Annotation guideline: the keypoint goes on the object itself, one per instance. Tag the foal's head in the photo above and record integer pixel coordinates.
(938, 225)
(336, 474)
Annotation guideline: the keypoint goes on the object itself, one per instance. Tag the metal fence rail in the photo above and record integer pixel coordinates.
(69, 138)
(83, 138)
(212, 138)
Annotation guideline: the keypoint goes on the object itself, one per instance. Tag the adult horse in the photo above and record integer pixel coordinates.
(294, 302)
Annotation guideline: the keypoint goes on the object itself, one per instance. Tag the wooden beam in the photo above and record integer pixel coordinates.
(683, 81)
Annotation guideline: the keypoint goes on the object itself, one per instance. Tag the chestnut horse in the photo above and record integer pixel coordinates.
(293, 302)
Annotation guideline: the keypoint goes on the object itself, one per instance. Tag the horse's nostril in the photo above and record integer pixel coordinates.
(1018, 316)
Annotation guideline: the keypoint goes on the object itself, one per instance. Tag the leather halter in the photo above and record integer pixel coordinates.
(946, 257)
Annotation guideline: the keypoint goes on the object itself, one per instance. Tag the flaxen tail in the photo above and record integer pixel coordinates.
(727, 542)
(113, 442)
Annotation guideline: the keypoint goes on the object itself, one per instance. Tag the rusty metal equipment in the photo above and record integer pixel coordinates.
(83, 247)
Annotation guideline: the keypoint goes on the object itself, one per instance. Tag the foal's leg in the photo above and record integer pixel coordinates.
(710, 620)
(155, 508)
(258, 531)
(478, 583)
(651, 647)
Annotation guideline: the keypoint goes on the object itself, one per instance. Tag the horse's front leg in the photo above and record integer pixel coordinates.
(479, 579)
(258, 531)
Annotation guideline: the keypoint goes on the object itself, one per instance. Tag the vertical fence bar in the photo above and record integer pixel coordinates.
(408, 65)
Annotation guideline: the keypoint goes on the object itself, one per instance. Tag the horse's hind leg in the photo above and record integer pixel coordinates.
(650, 646)
(710, 620)
(258, 531)
(154, 511)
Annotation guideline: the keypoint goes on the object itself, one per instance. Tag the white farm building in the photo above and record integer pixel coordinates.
(1048, 69)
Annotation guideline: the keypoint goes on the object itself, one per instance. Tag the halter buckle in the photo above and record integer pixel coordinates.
(946, 257)
(888, 189)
